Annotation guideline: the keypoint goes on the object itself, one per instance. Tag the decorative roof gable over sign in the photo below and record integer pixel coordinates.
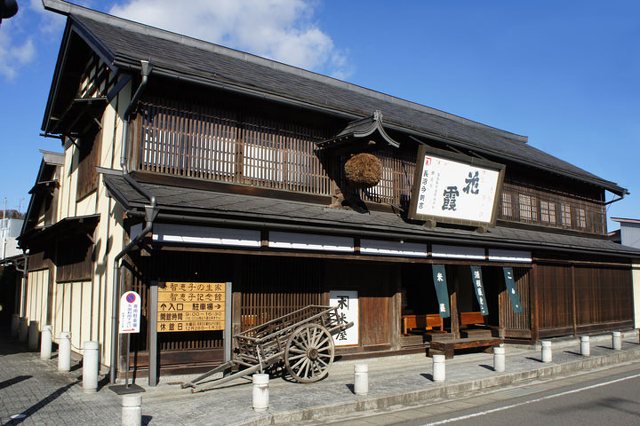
(122, 44)
(366, 134)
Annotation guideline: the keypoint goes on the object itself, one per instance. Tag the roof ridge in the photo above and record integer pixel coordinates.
(65, 8)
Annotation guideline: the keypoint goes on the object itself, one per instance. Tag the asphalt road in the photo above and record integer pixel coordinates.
(604, 397)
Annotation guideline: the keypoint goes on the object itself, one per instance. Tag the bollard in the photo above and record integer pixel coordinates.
(585, 347)
(616, 340)
(260, 392)
(34, 336)
(546, 351)
(15, 323)
(45, 343)
(499, 359)
(131, 410)
(64, 351)
(361, 380)
(438, 368)
(23, 330)
(90, 367)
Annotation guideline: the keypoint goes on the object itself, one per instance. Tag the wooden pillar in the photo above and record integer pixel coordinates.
(396, 306)
(152, 321)
(453, 303)
(534, 304)
(574, 307)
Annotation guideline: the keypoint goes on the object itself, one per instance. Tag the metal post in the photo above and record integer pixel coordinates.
(23, 330)
(585, 346)
(45, 343)
(153, 334)
(227, 323)
(64, 351)
(15, 323)
(546, 351)
(131, 410)
(34, 336)
(260, 392)
(90, 367)
(499, 359)
(616, 340)
(438, 368)
(361, 379)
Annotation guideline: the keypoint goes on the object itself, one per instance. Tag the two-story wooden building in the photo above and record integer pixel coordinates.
(187, 163)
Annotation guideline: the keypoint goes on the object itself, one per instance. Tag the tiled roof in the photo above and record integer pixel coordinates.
(199, 204)
(125, 43)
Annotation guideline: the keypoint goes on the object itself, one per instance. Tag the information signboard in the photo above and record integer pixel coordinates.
(129, 313)
(454, 188)
(191, 306)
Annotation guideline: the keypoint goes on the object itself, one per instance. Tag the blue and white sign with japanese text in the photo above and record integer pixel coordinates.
(347, 303)
(130, 313)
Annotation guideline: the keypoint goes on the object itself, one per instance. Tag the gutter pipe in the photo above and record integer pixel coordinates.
(151, 211)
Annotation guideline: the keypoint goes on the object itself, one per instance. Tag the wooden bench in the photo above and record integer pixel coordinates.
(426, 322)
(474, 325)
(472, 318)
(447, 347)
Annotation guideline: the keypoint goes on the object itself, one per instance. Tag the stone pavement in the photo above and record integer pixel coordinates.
(33, 392)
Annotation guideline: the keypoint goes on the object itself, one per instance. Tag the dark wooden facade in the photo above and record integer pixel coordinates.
(278, 140)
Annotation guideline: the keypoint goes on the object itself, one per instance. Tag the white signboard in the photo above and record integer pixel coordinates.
(347, 303)
(454, 190)
(130, 313)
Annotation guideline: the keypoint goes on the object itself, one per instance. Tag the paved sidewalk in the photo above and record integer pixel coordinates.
(34, 392)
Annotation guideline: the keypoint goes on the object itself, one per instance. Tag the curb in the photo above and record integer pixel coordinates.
(446, 390)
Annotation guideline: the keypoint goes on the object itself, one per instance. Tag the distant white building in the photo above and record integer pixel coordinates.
(629, 234)
(9, 232)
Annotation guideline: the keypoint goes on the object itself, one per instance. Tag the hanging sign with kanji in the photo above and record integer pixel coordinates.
(347, 303)
(454, 188)
(442, 292)
(191, 306)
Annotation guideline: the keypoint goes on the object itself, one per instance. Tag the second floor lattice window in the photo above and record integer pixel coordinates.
(219, 146)
(547, 212)
(528, 208)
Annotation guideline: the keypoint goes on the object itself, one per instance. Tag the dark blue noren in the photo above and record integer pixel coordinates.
(476, 280)
(511, 289)
(440, 283)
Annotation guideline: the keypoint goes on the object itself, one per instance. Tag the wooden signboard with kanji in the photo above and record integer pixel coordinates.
(191, 306)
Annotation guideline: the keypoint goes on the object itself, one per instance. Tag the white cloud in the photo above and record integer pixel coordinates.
(14, 53)
(278, 29)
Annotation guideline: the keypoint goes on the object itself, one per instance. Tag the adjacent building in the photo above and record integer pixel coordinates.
(190, 170)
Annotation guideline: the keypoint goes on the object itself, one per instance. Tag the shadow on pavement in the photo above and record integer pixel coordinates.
(13, 381)
(40, 404)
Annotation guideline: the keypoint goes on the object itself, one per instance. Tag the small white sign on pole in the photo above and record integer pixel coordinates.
(130, 313)
(347, 303)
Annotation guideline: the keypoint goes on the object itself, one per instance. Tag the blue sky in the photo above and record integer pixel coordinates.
(564, 73)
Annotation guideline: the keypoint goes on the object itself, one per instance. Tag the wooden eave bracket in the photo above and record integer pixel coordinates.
(81, 114)
(361, 132)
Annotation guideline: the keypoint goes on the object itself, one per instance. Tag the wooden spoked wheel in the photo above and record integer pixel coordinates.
(309, 353)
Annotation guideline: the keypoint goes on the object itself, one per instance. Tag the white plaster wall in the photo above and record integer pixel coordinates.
(37, 297)
(636, 294)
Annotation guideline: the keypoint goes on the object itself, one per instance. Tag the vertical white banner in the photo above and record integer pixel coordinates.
(347, 303)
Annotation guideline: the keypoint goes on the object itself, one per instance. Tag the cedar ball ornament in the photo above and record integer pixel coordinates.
(363, 170)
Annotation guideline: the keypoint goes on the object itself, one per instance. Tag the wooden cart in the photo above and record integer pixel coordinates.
(302, 340)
